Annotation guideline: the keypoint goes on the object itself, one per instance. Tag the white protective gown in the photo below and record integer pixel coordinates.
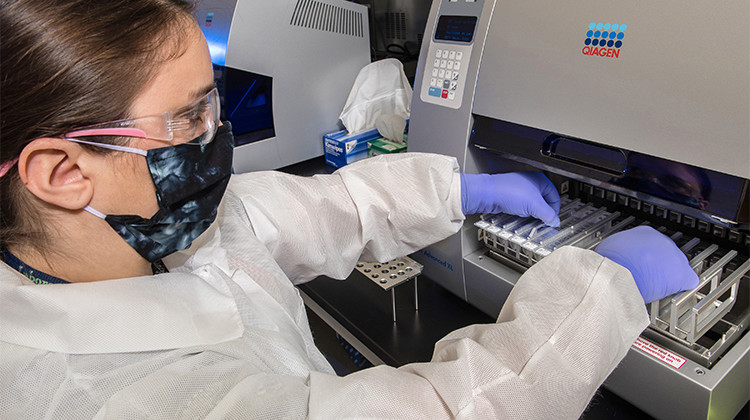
(224, 335)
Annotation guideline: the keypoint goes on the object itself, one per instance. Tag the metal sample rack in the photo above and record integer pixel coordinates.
(390, 274)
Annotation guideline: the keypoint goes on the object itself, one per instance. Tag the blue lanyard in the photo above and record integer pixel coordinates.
(33, 274)
(39, 277)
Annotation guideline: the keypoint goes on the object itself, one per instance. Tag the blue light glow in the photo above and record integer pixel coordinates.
(218, 52)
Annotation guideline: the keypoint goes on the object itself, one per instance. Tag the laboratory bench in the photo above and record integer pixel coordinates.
(360, 314)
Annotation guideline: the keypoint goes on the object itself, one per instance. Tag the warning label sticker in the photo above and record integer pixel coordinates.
(659, 353)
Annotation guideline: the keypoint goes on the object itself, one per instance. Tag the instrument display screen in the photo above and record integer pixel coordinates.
(246, 101)
(456, 28)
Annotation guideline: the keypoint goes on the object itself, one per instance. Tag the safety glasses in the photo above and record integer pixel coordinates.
(197, 121)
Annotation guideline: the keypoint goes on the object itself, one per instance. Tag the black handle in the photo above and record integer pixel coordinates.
(607, 159)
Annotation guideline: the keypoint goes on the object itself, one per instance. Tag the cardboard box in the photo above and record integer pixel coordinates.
(382, 146)
(342, 148)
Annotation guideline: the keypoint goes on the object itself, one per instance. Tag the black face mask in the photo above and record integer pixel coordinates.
(190, 181)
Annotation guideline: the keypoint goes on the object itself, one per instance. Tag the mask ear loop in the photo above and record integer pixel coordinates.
(95, 212)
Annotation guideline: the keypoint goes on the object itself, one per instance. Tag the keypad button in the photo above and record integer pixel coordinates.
(445, 73)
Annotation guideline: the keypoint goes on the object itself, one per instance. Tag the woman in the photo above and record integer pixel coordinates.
(173, 295)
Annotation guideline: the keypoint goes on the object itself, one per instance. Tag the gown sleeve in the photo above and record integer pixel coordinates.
(566, 325)
(376, 209)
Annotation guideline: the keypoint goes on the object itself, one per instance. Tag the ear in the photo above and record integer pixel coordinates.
(55, 171)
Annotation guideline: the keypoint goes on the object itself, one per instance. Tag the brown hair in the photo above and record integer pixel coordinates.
(70, 63)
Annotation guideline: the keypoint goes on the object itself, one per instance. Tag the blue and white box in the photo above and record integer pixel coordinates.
(342, 148)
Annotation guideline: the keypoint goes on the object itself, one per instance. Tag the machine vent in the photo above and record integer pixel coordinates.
(395, 25)
(319, 15)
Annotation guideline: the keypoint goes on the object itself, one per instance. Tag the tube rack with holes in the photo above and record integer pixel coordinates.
(390, 274)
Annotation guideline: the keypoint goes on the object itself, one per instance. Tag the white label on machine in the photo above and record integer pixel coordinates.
(659, 353)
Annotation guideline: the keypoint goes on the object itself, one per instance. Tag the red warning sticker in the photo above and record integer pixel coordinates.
(659, 353)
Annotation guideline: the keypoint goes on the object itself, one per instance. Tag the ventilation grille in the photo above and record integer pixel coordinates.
(395, 25)
(327, 17)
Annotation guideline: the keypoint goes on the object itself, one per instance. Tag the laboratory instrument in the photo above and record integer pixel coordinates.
(284, 69)
(639, 115)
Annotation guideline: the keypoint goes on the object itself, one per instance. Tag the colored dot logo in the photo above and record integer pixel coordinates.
(604, 39)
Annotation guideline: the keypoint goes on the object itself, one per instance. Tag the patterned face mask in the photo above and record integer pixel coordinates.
(190, 180)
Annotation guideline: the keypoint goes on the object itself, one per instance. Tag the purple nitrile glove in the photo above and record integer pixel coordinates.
(659, 268)
(520, 193)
